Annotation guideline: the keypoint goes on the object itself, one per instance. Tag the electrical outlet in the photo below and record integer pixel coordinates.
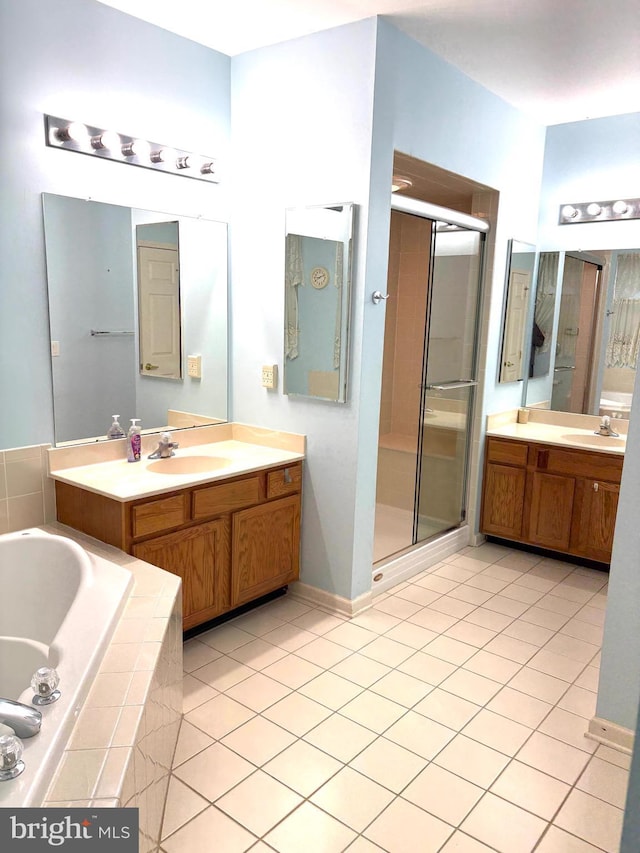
(270, 376)
(55, 349)
(194, 366)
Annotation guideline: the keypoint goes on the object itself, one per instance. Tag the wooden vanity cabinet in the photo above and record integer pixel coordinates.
(230, 541)
(561, 498)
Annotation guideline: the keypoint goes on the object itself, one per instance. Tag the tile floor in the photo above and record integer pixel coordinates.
(448, 717)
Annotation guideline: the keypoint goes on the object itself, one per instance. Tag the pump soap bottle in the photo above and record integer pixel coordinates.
(134, 441)
(115, 430)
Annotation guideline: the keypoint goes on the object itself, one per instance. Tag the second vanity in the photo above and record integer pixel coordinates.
(223, 513)
(553, 483)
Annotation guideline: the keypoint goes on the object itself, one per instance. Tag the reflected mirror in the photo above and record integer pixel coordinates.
(520, 264)
(594, 337)
(318, 259)
(97, 321)
(159, 326)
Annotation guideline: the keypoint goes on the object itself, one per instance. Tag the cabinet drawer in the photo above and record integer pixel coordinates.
(154, 516)
(284, 481)
(226, 497)
(507, 452)
(599, 466)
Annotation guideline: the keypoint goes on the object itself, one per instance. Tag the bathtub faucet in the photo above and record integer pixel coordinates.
(24, 720)
(165, 447)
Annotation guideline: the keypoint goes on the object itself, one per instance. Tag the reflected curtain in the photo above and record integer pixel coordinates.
(337, 339)
(293, 280)
(624, 334)
(546, 296)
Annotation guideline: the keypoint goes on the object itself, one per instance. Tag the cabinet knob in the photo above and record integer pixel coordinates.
(595, 487)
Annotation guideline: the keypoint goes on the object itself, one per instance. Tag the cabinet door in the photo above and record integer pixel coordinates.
(503, 500)
(200, 556)
(265, 548)
(594, 519)
(551, 510)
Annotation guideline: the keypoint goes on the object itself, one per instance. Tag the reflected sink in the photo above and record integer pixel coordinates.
(595, 440)
(188, 464)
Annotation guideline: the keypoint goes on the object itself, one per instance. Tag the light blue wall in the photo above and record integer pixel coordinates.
(82, 60)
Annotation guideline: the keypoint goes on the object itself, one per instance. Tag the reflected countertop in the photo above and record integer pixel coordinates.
(233, 449)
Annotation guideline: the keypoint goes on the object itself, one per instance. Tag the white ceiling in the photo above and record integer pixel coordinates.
(558, 60)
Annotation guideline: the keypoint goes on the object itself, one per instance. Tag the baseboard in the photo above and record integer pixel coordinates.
(413, 562)
(611, 734)
(329, 601)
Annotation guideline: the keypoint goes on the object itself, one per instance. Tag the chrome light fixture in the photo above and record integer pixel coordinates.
(109, 145)
(599, 211)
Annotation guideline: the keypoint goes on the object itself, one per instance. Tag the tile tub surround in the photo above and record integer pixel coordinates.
(450, 717)
(122, 745)
(103, 467)
(26, 492)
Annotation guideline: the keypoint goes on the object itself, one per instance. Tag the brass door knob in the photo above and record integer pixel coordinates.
(149, 366)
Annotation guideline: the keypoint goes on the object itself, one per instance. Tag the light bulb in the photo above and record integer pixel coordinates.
(569, 211)
(163, 155)
(620, 207)
(74, 132)
(185, 162)
(137, 148)
(208, 167)
(108, 139)
(594, 209)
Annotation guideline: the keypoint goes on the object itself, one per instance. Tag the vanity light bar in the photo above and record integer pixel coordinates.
(109, 145)
(599, 211)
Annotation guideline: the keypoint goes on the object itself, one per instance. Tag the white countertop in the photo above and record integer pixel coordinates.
(232, 453)
(561, 435)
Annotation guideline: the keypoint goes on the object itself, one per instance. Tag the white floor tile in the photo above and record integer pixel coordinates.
(588, 679)
(373, 711)
(317, 622)
(258, 692)
(569, 728)
(351, 636)
(191, 741)
(402, 823)
(226, 638)
(572, 648)
(536, 635)
(258, 740)
(472, 761)
(558, 841)
(613, 756)
(182, 804)
(197, 654)
(311, 830)
(489, 619)
(468, 685)
(323, 652)
(297, 713)
(389, 764)
(352, 798)
(223, 673)
(411, 635)
(340, 737)
(448, 709)
(330, 690)
(257, 654)
(530, 788)
(419, 734)
(259, 802)
(539, 684)
(361, 670)
(545, 618)
(387, 652)
(519, 707)
(195, 692)
(592, 820)
(289, 637)
(427, 668)
(503, 826)
(211, 823)
(398, 607)
(303, 767)
(452, 607)
(376, 621)
(511, 648)
(471, 634)
(214, 771)
(443, 794)
(497, 732)
(293, 671)
(460, 842)
(418, 595)
(401, 688)
(219, 716)
(558, 759)
(437, 584)
(605, 781)
(432, 620)
(492, 666)
(555, 665)
(452, 651)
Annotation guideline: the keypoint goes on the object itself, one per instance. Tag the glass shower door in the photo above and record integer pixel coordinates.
(449, 380)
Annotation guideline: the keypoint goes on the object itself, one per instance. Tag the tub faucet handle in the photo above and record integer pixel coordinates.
(44, 685)
(11, 763)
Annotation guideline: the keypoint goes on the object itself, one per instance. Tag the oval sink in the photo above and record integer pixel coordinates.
(188, 465)
(595, 440)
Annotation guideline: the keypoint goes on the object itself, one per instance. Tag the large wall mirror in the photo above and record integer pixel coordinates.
(520, 269)
(588, 342)
(318, 257)
(119, 343)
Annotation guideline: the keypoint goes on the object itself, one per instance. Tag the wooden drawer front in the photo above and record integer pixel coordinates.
(154, 516)
(581, 463)
(507, 452)
(226, 497)
(284, 481)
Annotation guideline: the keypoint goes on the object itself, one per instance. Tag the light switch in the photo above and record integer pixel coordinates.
(55, 348)
(194, 366)
(270, 376)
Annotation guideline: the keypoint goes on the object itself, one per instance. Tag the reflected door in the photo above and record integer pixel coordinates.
(159, 299)
(449, 380)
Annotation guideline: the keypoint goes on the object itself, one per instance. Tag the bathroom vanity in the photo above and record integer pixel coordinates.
(224, 516)
(552, 487)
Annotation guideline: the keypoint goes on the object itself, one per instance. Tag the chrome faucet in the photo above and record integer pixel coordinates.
(605, 427)
(165, 447)
(23, 719)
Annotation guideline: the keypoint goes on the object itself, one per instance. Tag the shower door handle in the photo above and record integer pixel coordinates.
(449, 386)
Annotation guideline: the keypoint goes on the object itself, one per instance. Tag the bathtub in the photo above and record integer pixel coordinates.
(60, 606)
(617, 404)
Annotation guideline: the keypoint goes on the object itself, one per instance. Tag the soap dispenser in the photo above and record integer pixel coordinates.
(115, 430)
(134, 441)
